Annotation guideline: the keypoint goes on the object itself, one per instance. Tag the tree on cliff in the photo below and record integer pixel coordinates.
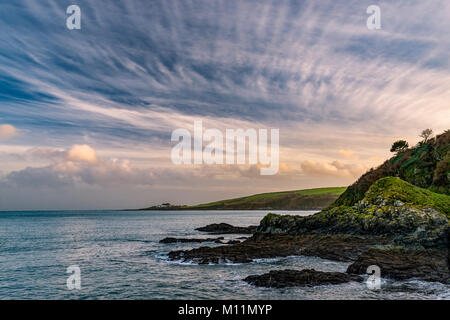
(427, 133)
(399, 146)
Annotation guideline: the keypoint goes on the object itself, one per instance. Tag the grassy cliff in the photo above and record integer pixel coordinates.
(427, 165)
(288, 200)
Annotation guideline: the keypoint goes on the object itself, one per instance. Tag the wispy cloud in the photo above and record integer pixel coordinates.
(138, 69)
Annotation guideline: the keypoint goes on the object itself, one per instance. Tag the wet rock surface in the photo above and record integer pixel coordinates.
(225, 228)
(333, 247)
(306, 277)
(188, 240)
(401, 263)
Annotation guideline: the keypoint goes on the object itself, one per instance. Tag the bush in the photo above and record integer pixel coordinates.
(399, 146)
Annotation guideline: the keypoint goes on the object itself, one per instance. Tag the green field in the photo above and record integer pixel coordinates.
(286, 200)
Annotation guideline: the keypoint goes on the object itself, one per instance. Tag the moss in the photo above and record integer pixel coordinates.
(392, 189)
(268, 218)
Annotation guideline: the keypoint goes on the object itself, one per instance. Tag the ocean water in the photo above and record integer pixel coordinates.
(120, 258)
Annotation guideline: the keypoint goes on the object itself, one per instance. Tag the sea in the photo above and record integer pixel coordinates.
(117, 255)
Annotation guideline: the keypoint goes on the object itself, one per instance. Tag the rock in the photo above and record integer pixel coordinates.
(418, 219)
(398, 203)
(233, 242)
(402, 263)
(184, 240)
(306, 277)
(225, 228)
(333, 247)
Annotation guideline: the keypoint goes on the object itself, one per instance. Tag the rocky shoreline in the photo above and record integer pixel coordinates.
(395, 217)
(405, 238)
(333, 247)
(395, 262)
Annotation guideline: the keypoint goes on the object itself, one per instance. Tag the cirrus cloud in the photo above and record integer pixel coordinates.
(310, 68)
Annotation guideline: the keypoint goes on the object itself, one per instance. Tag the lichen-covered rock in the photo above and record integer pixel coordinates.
(391, 206)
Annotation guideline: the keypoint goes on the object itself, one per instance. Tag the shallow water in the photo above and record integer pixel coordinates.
(120, 258)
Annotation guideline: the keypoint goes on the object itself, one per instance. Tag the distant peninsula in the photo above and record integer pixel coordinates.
(308, 199)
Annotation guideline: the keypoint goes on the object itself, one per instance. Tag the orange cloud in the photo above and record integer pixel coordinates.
(7, 131)
(82, 153)
(347, 154)
(335, 168)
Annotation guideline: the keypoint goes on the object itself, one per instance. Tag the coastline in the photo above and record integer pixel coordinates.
(404, 239)
(128, 243)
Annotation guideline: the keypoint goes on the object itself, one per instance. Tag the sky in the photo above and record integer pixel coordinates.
(86, 116)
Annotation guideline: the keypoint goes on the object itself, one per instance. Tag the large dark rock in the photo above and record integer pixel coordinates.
(401, 263)
(187, 240)
(293, 278)
(225, 228)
